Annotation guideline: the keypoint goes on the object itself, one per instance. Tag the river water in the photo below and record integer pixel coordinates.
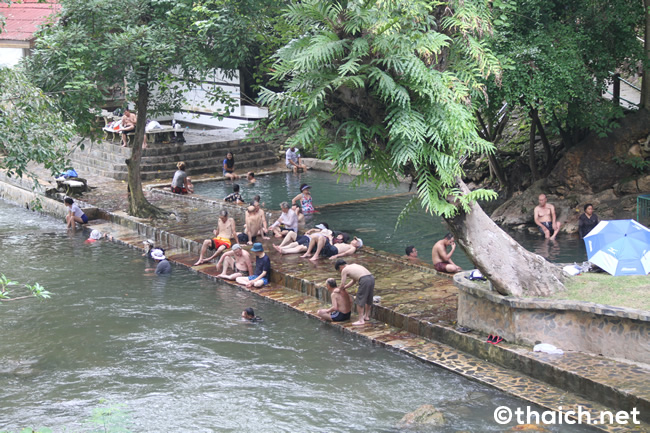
(174, 352)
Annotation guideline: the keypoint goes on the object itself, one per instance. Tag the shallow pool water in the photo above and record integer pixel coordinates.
(326, 188)
(174, 352)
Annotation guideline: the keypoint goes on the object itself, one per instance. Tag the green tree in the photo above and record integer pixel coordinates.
(153, 45)
(388, 86)
(8, 293)
(32, 127)
(558, 59)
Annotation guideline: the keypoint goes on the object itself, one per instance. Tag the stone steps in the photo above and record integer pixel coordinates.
(202, 155)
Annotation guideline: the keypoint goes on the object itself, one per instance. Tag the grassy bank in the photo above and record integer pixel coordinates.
(628, 291)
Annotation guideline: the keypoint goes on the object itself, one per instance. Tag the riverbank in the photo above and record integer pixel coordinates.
(416, 314)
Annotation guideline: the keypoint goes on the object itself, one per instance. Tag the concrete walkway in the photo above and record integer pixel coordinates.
(416, 314)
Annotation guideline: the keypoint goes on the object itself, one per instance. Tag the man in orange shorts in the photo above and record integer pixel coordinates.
(223, 235)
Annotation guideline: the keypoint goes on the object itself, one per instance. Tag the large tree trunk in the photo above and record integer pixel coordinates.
(511, 268)
(138, 204)
(645, 84)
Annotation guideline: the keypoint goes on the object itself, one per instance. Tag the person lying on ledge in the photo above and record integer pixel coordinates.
(441, 258)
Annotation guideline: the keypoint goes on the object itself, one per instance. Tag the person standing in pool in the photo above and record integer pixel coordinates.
(249, 315)
(75, 214)
(234, 196)
(587, 221)
(305, 200)
(229, 167)
(341, 308)
(262, 271)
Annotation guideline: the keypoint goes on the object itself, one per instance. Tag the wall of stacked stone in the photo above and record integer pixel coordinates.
(615, 332)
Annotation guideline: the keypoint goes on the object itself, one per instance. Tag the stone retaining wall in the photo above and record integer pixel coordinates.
(615, 332)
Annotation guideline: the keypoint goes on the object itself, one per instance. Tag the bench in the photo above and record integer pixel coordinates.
(156, 135)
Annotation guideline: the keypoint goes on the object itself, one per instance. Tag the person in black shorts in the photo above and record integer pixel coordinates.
(341, 308)
(358, 274)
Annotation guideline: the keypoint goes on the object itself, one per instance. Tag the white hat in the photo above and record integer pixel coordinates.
(157, 254)
(321, 226)
(359, 240)
(95, 235)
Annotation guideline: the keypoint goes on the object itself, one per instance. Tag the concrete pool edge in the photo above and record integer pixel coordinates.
(382, 333)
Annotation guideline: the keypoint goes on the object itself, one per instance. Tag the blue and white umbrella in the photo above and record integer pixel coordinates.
(620, 247)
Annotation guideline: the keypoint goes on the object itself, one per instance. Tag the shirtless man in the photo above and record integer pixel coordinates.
(341, 308)
(223, 234)
(255, 224)
(128, 125)
(545, 218)
(239, 260)
(358, 274)
(441, 258)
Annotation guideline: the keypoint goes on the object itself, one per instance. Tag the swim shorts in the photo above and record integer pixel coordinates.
(84, 218)
(303, 240)
(441, 266)
(337, 316)
(217, 242)
(243, 273)
(265, 280)
(283, 227)
(549, 226)
(328, 250)
(366, 290)
(243, 238)
(179, 190)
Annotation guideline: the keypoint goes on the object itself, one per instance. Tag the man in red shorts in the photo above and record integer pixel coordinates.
(441, 258)
(223, 235)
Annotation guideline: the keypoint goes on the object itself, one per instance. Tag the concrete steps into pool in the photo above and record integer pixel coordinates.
(202, 155)
(306, 296)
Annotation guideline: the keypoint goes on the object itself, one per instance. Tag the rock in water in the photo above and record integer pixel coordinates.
(423, 415)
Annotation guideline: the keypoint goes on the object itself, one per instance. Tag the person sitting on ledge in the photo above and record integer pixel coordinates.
(288, 221)
(223, 234)
(293, 160)
(441, 258)
(75, 214)
(262, 271)
(234, 196)
(545, 218)
(229, 167)
(341, 308)
(181, 184)
(238, 259)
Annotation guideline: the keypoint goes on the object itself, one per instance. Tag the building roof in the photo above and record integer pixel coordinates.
(23, 19)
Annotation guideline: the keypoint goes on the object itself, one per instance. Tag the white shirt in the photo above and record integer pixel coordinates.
(292, 156)
(289, 219)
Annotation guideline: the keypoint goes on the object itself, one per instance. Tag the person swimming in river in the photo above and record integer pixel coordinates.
(249, 315)
(305, 200)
